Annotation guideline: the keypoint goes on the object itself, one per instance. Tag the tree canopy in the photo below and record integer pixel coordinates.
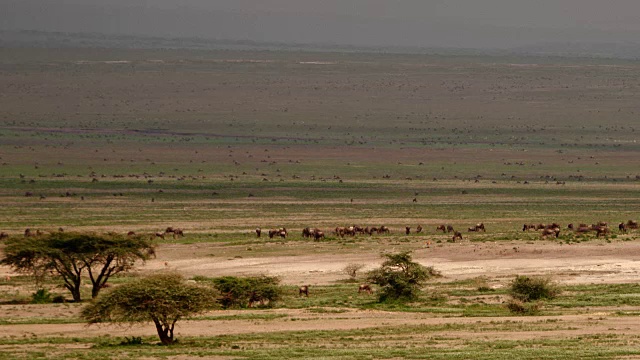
(69, 255)
(399, 277)
(162, 298)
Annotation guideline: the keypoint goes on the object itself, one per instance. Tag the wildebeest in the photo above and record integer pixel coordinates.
(384, 230)
(304, 289)
(407, 230)
(365, 288)
(318, 235)
(358, 229)
(258, 232)
(457, 235)
(583, 229)
(272, 233)
(160, 235)
(131, 233)
(602, 231)
(622, 227)
(441, 227)
(177, 232)
(3, 235)
(372, 230)
(480, 226)
(527, 227)
(549, 232)
(28, 232)
(632, 224)
(419, 229)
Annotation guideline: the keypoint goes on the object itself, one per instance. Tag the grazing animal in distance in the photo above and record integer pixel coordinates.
(450, 228)
(549, 232)
(365, 288)
(178, 232)
(407, 230)
(131, 233)
(3, 235)
(272, 233)
(583, 229)
(441, 227)
(258, 232)
(622, 227)
(602, 231)
(304, 289)
(419, 229)
(28, 232)
(480, 226)
(457, 235)
(318, 235)
(632, 224)
(527, 227)
(384, 230)
(160, 235)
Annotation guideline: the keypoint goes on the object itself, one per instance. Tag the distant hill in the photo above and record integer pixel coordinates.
(31, 38)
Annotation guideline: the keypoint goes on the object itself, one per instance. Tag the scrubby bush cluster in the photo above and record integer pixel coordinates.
(246, 292)
(527, 292)
(400, 278)
(532, 288)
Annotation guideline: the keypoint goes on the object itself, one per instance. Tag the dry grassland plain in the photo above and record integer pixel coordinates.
(221, 142)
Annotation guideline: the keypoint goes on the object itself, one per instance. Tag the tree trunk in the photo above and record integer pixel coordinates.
(95, 290)
(165, 336)
(75, 292)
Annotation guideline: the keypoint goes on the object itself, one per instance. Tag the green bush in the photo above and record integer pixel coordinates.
(400, 278)
(42, 296)
(521, 308)
(248, 291)
(525, 288)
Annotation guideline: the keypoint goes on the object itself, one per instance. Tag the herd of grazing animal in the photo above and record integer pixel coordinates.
(600, 228)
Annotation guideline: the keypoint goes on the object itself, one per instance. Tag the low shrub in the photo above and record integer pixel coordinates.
(532, 288)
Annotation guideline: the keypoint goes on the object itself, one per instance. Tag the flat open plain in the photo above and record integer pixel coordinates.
(221, 142)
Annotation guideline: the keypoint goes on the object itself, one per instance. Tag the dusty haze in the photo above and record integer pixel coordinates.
(450, 23)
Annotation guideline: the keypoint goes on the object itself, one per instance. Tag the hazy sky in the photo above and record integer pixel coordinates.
(452, 23)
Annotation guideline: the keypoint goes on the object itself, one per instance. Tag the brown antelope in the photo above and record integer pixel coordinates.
(407, 230)
(365, 288)
(304, 289)
(258, 232)
(456, 235)
(419, 229)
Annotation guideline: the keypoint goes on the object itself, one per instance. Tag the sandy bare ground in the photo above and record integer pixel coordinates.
(321, 264)
(592, 323)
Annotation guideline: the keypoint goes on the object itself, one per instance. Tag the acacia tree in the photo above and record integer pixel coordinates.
(68, 255)
(162, 298)
(399, 277)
